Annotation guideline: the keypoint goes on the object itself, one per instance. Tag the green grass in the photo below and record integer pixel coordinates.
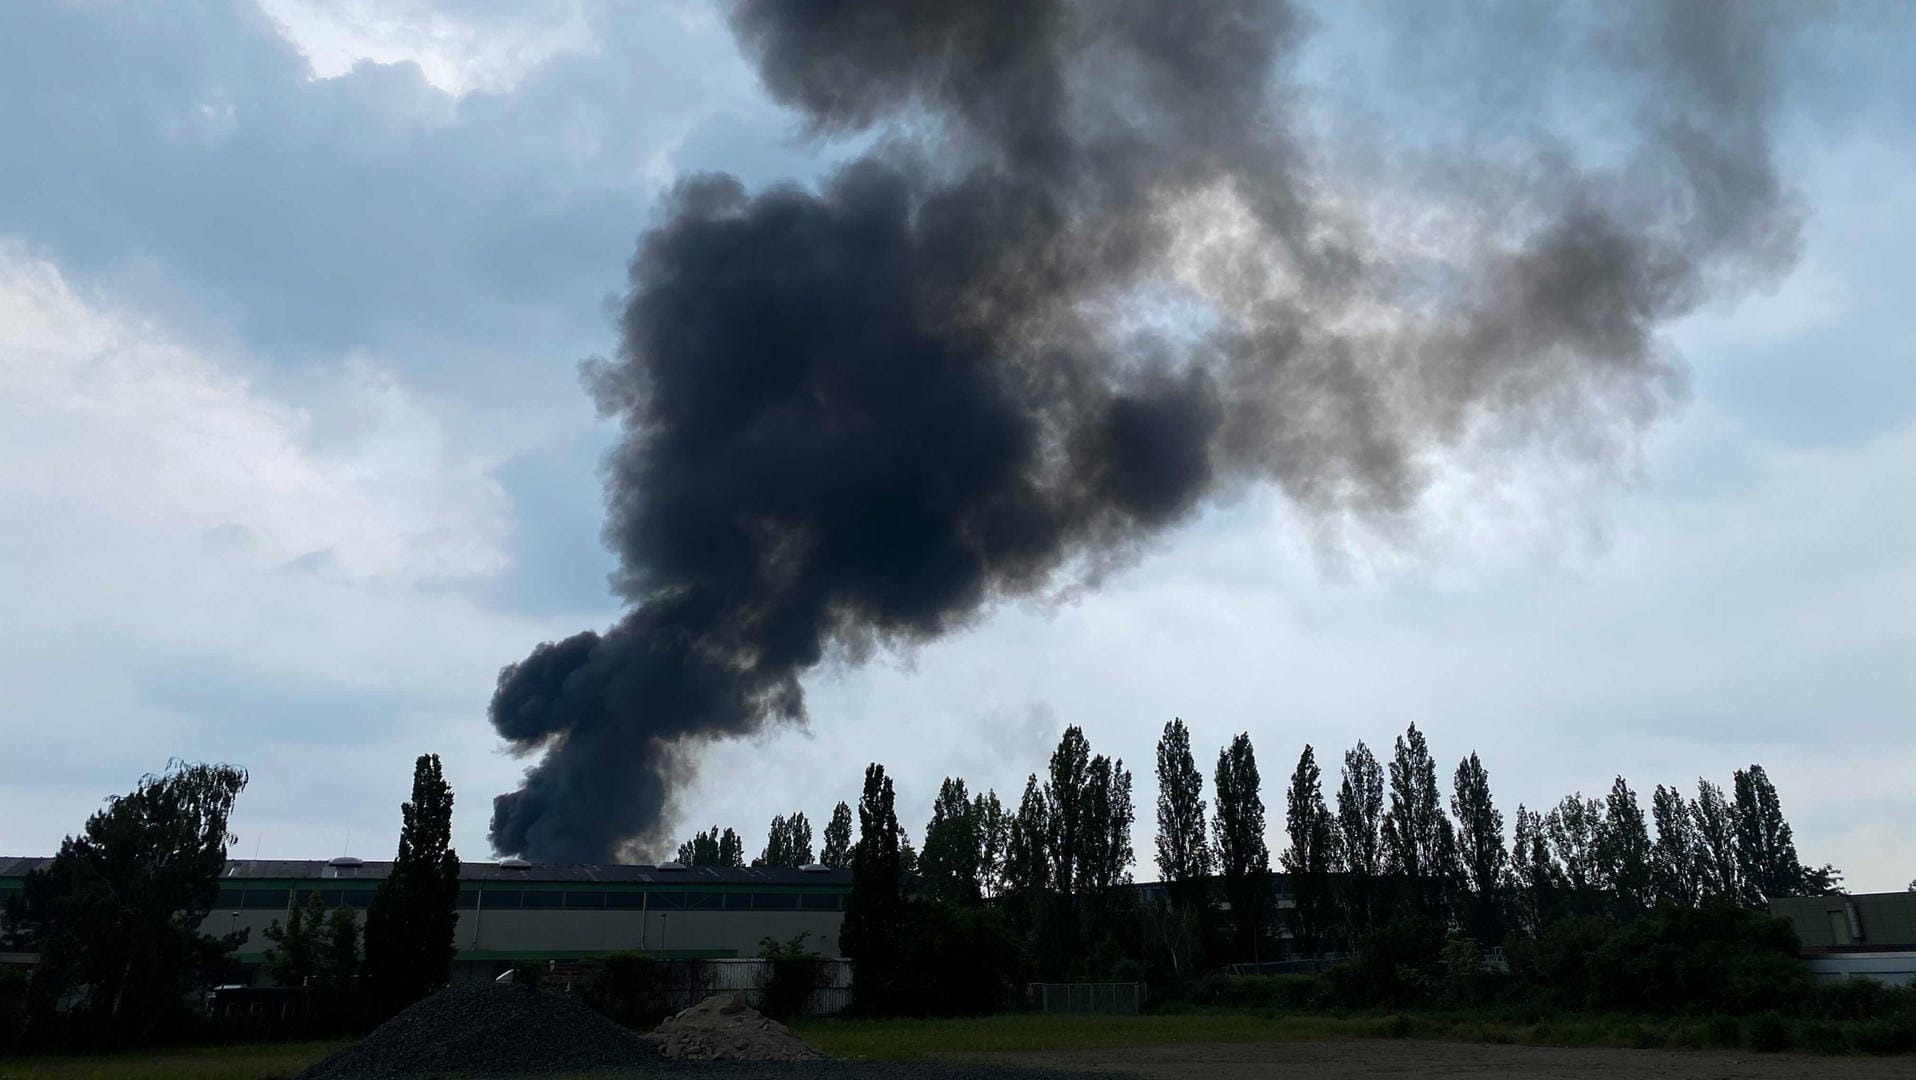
(259, 1061)
(908, 1040)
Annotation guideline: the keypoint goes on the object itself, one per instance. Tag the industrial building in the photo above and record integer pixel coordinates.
(514, 911)
(1872, 935)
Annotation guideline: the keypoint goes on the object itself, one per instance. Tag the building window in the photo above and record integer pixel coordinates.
(625, 901)
(821, 901)
(585, 899)
(501, 898)
(268, 899)
(536, 898)
(775, 901)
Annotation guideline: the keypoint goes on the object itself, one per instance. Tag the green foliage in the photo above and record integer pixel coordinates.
(1242, 857)
(962, 962)
(875, 912)
(788, 843)
(795, 971)
(714, 848)
(1311, 853)
(1482, 858)
(950, 863)
(1767, 1033)
(297, 954)
(1360, 835)
(409, 929)
(628, 987)
(837, 852)
(1184, 851)
(118, 912)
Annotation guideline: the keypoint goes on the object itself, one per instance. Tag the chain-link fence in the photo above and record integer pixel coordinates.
(1112, 997)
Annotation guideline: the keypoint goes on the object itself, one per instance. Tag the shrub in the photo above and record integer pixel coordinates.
(630, 988)
(1889, 1036)
(1723, 1032)
(794, 973)
(1822, 1037)
(1768, 1033)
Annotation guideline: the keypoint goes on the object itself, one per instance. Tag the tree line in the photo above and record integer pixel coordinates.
(116, 920)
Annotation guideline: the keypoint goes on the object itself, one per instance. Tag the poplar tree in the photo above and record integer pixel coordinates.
(875, 911)
(1673, 860)
(409, 928)
(1539, 878)
(1242, 855)
(1716, 860)
(1064, 808)
(949, 862)
(994, 834)
(1360, 831)
(1574, 826)
(838, 839)
(1419, 841)
(1480, 847)
(1310, 854)
(1184, 851)
(1624, 850)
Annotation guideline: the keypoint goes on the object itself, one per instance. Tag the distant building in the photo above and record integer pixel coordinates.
(512, 911)
(1870, 934)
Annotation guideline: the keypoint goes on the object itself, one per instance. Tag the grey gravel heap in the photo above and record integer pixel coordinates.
(490, 1028)
(724, 1028)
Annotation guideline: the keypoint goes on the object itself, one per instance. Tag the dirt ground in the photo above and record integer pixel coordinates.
(1449, 1061)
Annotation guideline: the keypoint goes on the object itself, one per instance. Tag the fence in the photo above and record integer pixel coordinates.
(1119, 998)
(681, 984)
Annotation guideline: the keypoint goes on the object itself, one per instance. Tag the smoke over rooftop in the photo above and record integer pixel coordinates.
(1089, 277)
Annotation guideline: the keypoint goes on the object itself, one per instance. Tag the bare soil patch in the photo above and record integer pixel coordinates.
(1425, 1060)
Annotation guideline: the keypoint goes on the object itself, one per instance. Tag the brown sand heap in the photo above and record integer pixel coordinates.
(724, 1028)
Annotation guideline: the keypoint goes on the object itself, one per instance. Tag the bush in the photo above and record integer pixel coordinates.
(1292, 993)
(1724, 1032)
(1822, 1037)
(630, 988)
(1768, 1034)
(795, 972)
(1889, 1036)
(955, 961)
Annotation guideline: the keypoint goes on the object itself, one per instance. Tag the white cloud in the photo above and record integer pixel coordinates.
(177, 536)
(459, 48)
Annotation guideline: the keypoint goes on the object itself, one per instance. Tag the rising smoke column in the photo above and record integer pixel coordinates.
(1087, 279)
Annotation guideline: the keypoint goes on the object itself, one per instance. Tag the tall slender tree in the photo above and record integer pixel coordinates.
(1623, 847)
(1539, 878)
(1574, 826)
(409, 928)
(949, 863)
(1480, 847)
(1716, 862)
(875, 911)
(1310, 853)
(1767, 863)
(1673, 860)
(994, 834)
(1184, 849)
(1064, 808)
(1242, 855)
(1420, 844)
(1360, 832)
(837, 853)
(1027, 855)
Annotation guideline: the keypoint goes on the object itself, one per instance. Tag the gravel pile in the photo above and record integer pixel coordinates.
(724, 1028)
(489, 1028)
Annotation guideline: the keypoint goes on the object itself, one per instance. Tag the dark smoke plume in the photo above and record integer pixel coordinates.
(1089, 277)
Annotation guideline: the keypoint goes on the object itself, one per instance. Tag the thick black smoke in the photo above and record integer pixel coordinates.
(1087, 278)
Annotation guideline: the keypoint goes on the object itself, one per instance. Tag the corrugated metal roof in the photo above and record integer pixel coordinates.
(321, 870)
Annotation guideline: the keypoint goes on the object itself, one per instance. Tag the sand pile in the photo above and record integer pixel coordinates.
(486, 1029)
(724, 1028)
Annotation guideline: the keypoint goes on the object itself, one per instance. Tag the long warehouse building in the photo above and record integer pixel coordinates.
(513, 911)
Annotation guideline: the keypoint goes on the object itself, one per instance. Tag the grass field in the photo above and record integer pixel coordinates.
(908, 1040)
(259, 1061)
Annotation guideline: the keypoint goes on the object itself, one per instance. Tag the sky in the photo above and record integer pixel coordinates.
(294, 454)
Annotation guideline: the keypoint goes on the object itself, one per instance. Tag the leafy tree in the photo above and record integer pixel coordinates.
(1716, 861)
(1480, 847)
(117, 914)
(1027, 858)
(1184, 849)
(994, 835)
(1673, 861)
(838, 839)
(1767, 864)
(1539, 878)
(298, 952)
(409, 929)
(1107, 816)
(788, 843)
(731, 849)
(1623, 848)
(1239, 833)
(1419, 841)
(1064, 808)
(1574, 826)
(1360, 830)
(875, 912)
(1311, 852)
(950, 860)
(340, 960)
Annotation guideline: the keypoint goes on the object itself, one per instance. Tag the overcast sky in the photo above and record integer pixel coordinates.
(294, 456)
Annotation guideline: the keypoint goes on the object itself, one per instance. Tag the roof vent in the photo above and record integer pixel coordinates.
(815, 868)
(671, 867)
(345, 860)
(513, 862)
